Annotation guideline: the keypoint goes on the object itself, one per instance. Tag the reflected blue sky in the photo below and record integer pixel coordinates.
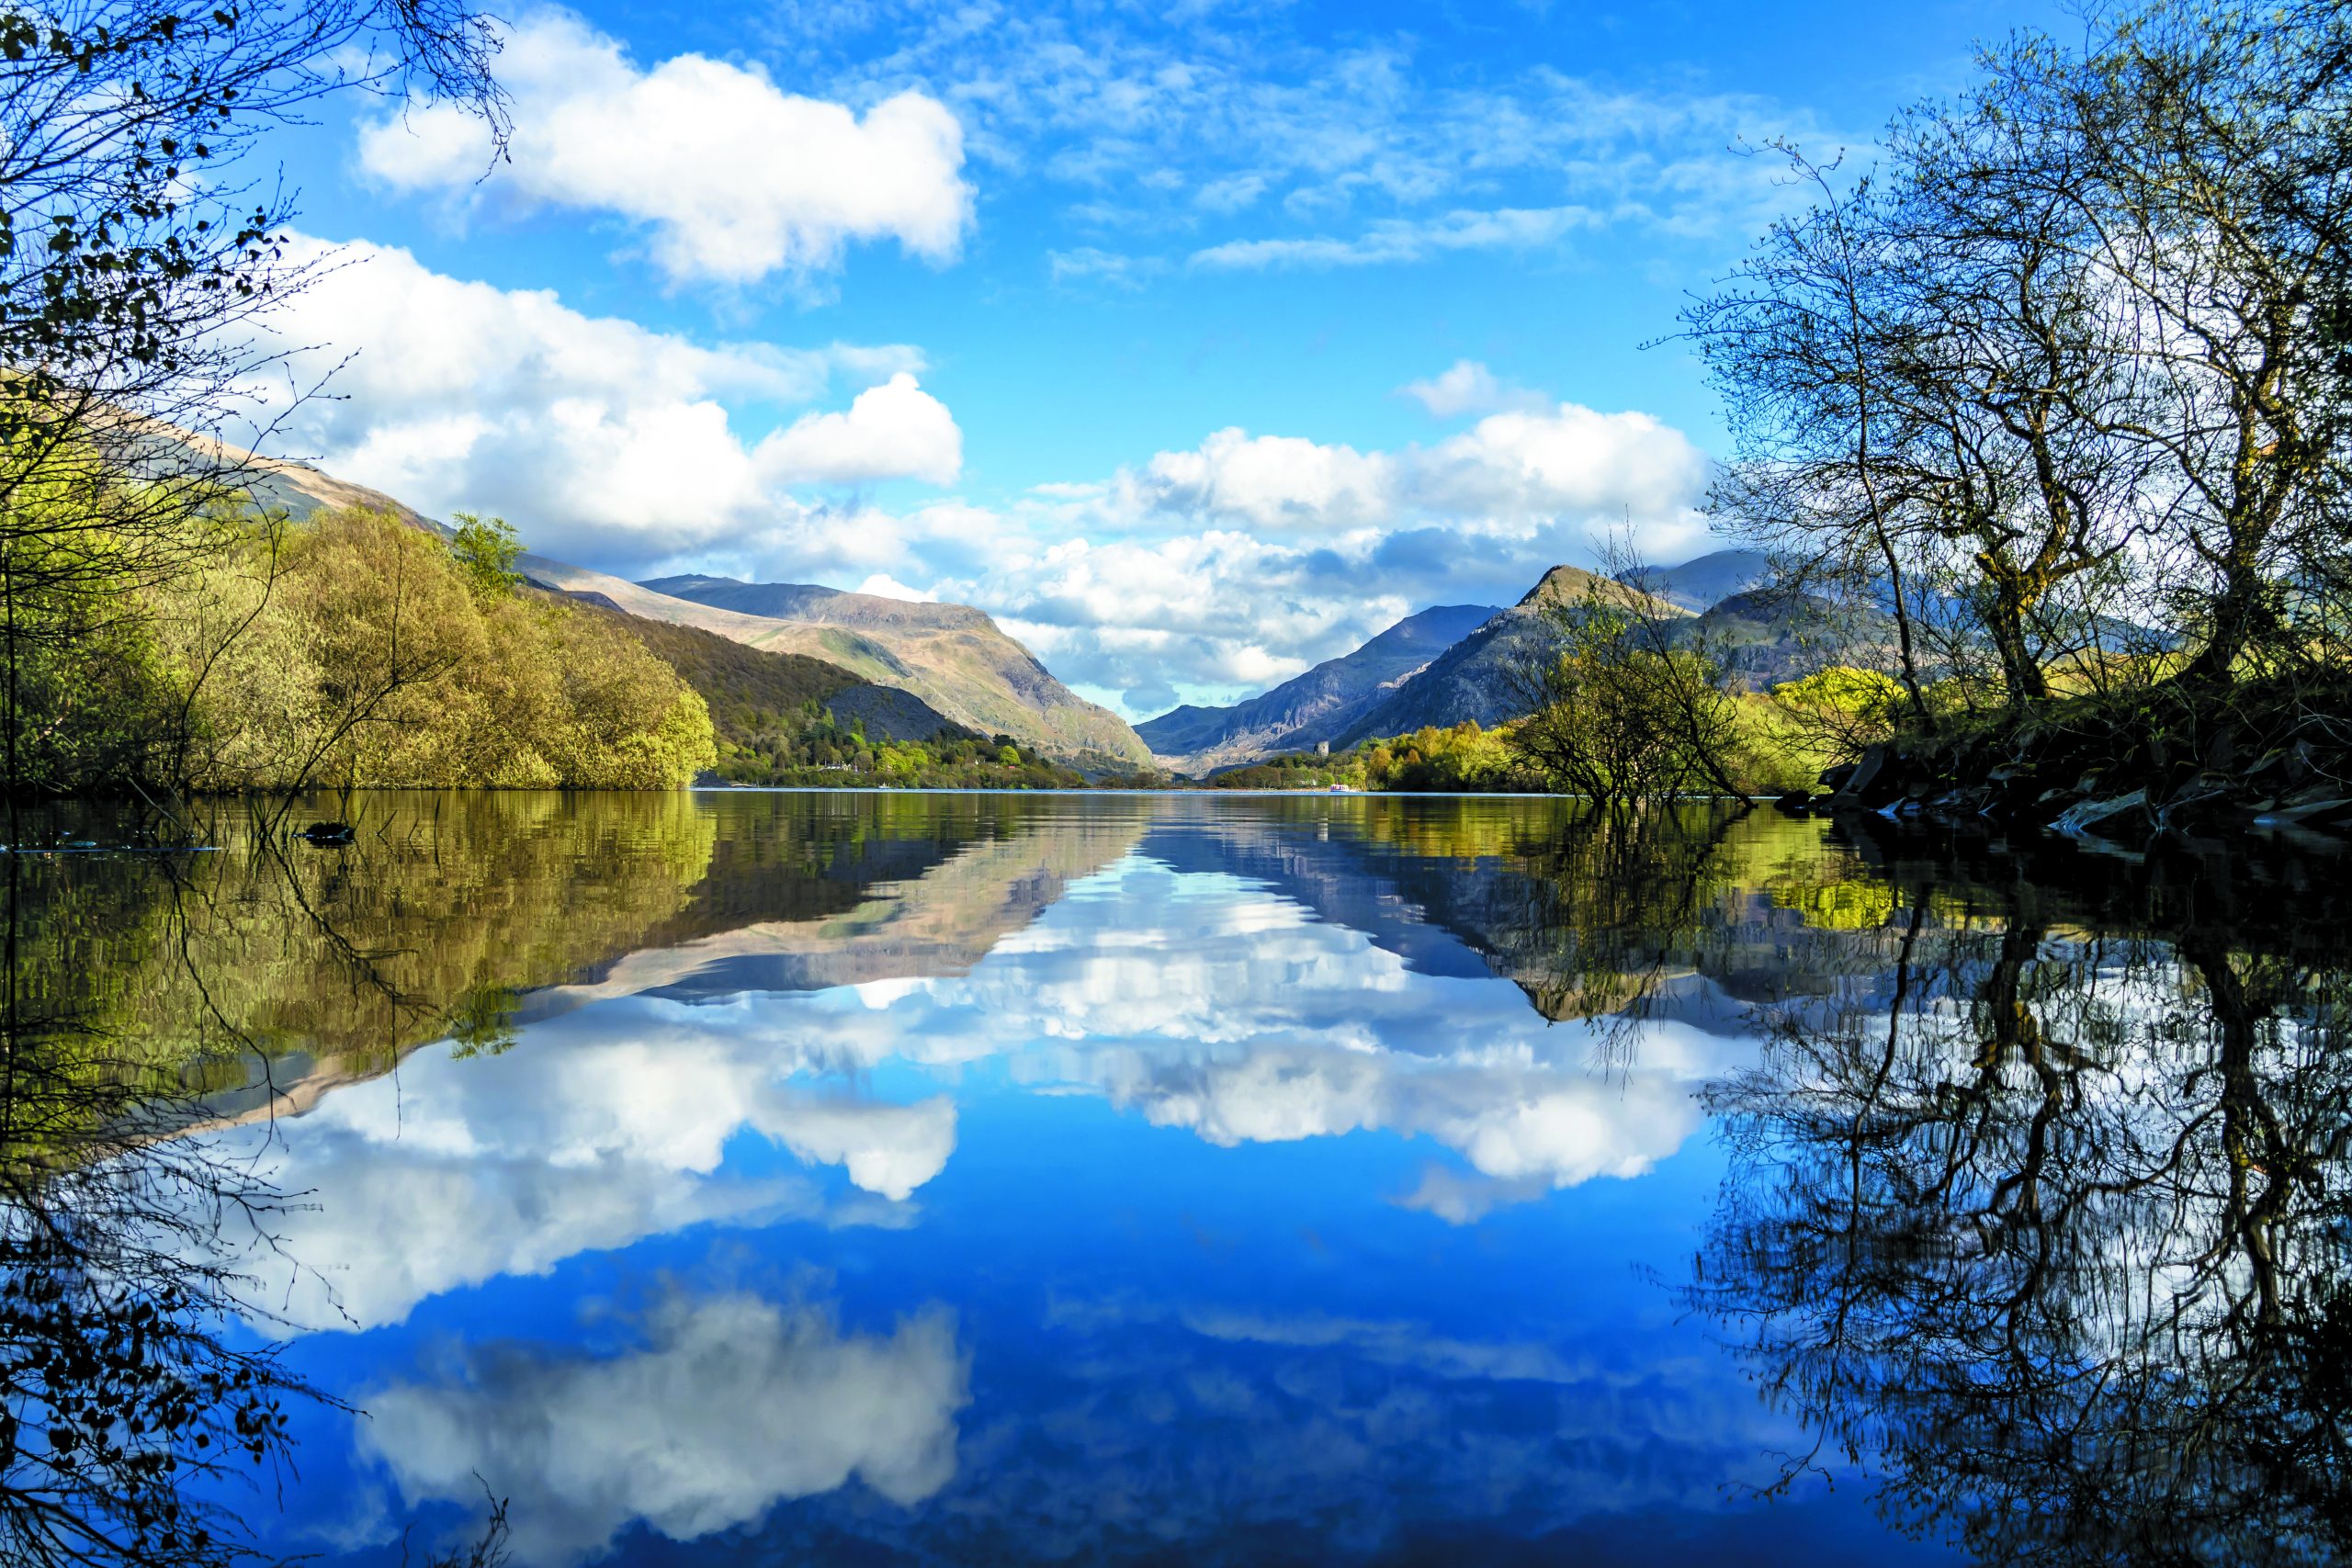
(1127, 1187)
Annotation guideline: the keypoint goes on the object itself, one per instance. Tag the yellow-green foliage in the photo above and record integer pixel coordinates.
(1778, 752)
(90, 681)
(358, 650)
(1818, 722)
(1462, 757)
(1845, 689)
(1849, 905)
(427, 924)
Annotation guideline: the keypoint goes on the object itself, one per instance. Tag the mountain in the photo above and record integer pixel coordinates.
(1701, 584)
(951, 660)
(827, 606)
(1317, 706)
(747, 687)
(1476, 678)
(952, 656)
(1457, 663)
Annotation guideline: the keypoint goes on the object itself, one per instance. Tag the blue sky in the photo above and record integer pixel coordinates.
(1196, 343)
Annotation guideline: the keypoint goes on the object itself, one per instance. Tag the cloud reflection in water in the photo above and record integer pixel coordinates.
(1070, 1407)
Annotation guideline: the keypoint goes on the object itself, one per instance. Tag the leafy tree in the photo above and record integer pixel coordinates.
(1620, 714)
(135, 257)
(357, 650)
(486, 550)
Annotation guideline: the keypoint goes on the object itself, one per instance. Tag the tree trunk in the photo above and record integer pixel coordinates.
(2237, 613)
(2019, 669)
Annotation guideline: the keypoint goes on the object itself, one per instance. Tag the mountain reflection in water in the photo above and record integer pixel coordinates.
(968, 1179)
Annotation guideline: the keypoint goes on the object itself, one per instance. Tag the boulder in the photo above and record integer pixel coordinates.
(1872, 784)
(2114, 817)
(2204, 799)
(2307, 812)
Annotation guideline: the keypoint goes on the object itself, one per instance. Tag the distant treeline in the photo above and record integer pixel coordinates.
(1775, 747)
(809, 749)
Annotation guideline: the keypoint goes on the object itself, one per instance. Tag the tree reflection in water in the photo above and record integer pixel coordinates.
(2037, 1201)
(133, 995)
(147, 996)
(2045, 1216)
(123, 1392)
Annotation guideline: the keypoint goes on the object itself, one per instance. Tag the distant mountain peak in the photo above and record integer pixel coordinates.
(1704, 581)
(1562, 584)
(1317, 706)
(826, 607)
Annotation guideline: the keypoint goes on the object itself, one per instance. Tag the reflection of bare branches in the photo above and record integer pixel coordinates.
(118, 1391)
(2054, 1225)
(140, 1005)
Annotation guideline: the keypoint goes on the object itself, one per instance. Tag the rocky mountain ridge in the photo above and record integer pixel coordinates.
(952, 656)
(1476, 678)
(1319, 706)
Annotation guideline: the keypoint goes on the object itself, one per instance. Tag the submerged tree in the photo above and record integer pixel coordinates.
(1623, 704)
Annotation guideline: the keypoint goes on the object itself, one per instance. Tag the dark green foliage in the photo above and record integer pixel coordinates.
(819, 752)
(747, 689)
(1298, 769)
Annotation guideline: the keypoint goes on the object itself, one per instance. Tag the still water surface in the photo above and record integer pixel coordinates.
(815, 1177)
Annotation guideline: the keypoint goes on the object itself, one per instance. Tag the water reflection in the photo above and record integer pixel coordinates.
(984, 1179)
(124, 1404)
(717, 1407)
(2048, 1215)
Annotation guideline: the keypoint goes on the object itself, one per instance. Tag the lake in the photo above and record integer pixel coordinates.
(893, 1177)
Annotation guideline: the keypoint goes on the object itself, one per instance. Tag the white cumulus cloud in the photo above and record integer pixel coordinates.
(891, 431)
(1566, 458)
(600, 439)
(1468, 387)
(732, 178)
(1207, 573)
(883, 586)
(1272, 480)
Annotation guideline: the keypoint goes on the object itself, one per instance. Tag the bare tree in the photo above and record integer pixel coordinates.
(2072, 353)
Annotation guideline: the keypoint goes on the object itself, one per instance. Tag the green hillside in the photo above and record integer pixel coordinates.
(748, 689)
(787, 718)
